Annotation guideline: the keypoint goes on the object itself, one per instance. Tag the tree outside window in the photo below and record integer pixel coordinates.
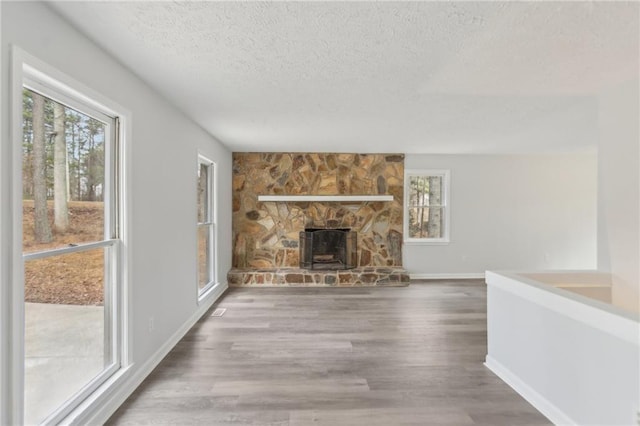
(426, 212)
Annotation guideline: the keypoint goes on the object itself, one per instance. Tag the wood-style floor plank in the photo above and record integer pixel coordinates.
(334, 356)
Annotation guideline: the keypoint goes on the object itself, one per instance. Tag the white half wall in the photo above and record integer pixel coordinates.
(512, 212)
(162, 164)
(5, 242)
(619, 191)
(572, 357)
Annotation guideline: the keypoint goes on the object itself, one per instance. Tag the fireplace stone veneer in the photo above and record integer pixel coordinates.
(266, 233)
(361, 192)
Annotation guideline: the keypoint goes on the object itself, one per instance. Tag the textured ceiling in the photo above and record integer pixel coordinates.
(415, 77)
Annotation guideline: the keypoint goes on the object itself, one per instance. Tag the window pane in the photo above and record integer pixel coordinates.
(63, 175)
(206, 227)
(425, 191)
(64, 328)
(204, 256)
(68, 337)
(418, 191)
(203, 193)
(426, 222)
(435, 191)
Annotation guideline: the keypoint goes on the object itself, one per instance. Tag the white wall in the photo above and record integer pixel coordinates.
(512, 212)
(162, 185)
(619, 189)
(5, 367)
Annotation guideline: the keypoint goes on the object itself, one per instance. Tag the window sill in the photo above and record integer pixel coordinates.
(206, 291)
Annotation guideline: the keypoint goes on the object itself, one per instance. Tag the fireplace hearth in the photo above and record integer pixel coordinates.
(328, 249)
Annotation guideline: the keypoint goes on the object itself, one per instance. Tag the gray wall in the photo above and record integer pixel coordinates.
(161, 186)
(512, 212)
(619, 191)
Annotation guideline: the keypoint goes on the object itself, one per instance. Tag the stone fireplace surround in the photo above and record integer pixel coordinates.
(266, 233)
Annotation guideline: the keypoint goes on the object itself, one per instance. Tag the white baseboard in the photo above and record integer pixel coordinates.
(101, 407)
(548, 409)
(453, 276)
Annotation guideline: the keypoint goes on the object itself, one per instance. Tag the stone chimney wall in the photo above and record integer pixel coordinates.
(266, 234)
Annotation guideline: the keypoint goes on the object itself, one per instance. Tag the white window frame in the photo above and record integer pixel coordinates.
(446, 207)
(211, 224)
(28, 71)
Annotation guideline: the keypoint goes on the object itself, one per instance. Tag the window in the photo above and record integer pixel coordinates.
(426, 218)
(70, 250)
(206, 226)
(67, 332)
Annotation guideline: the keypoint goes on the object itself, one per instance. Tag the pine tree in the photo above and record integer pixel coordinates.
(60, 205)
(42, 229)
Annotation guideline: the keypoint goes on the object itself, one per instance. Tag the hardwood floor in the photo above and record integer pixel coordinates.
(334, 356)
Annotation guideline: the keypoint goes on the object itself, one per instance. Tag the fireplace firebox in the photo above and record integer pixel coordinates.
(328, 248)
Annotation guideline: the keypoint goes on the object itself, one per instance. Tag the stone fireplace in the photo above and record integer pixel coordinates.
(267, 244)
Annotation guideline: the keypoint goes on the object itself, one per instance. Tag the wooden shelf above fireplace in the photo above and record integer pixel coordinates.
(325, 198)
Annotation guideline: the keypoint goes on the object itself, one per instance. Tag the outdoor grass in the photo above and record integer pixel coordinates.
(73, 279)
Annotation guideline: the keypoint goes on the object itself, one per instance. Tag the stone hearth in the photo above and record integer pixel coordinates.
(357, 277)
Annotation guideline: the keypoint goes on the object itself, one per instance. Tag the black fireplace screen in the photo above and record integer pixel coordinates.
(328, 249)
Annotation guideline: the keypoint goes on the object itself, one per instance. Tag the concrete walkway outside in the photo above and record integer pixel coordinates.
(64, 350)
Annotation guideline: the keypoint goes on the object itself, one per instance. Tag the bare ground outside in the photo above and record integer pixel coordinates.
(73, 279)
